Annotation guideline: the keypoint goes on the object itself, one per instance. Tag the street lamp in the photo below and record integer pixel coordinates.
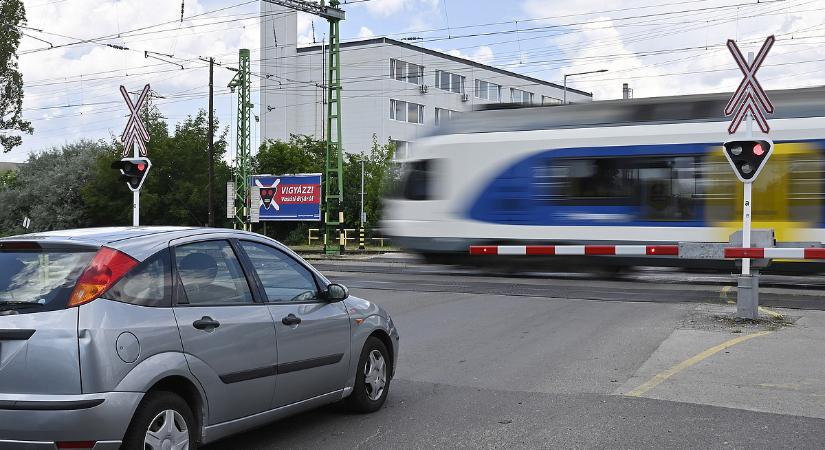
(564, 102)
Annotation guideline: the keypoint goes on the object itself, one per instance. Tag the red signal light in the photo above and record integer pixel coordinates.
(141, 166)
(758, 150)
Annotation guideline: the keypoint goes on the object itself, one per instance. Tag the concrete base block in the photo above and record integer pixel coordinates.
(747, 297)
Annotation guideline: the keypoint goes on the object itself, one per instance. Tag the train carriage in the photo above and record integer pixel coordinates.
(612, 172)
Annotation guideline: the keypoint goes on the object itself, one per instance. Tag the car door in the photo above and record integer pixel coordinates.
(228, 335)
(313, 334)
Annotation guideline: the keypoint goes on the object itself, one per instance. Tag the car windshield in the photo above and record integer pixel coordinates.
(39, 279)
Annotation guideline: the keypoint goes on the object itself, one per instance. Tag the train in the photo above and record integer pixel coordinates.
(638, 171)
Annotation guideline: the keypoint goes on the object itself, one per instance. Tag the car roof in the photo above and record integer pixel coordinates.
(107, 235)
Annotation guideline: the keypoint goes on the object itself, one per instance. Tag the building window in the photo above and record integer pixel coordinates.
(449, 81)
(406, 112)
(547, 100)
(488, 91)
(519, 96)
(404, 71)
(442, 115)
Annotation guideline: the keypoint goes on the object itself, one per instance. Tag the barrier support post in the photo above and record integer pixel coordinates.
(747, 296)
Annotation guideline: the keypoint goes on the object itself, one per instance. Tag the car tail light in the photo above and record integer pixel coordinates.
(107, 267)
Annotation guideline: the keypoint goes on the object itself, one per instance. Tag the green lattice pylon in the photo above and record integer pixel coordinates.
(243, 158)
(334, 160)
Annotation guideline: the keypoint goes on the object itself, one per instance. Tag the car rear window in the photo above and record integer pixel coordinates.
(39, 280)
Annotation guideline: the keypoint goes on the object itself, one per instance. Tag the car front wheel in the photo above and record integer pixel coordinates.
(372, 379)
(162, 421)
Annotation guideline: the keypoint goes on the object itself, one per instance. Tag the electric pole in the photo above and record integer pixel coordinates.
(243, 162)
(211, 149)
(333, 179)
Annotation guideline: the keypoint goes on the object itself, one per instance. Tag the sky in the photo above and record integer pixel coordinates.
(73, 59)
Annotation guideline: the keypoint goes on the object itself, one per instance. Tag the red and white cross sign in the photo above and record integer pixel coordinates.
(749, 96)
(135, 134)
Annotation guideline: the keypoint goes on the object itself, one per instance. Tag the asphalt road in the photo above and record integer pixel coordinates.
(492, 362)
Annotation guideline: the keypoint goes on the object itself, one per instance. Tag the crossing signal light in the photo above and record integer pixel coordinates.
(133, 171)
(748, 157)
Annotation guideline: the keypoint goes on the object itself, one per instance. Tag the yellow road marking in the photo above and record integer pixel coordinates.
(662, 376)
(771, 313)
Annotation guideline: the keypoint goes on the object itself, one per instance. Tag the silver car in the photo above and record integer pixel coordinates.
(159, 338)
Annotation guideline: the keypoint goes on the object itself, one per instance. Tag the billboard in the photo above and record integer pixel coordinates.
(289, 197)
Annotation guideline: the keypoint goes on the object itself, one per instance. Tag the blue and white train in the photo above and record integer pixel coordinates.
(610, 172)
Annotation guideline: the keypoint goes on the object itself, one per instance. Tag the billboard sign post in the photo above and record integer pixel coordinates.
(288, 197)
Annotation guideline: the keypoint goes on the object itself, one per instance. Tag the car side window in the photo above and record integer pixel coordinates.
(148, 284)
(210, 274)
(283, 278)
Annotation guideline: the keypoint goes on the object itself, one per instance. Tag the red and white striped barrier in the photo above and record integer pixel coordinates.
(775, 253)
(549, 250)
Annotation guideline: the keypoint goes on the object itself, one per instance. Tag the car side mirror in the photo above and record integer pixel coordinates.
(337, 292)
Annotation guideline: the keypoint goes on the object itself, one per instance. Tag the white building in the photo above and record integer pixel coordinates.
(390, 88)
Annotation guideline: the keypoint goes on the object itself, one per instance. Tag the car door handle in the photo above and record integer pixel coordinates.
(206, 323)
(291, 319)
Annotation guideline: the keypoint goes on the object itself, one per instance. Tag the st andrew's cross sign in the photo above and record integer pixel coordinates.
(749, 96)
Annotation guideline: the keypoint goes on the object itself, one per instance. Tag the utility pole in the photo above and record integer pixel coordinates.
(333, 179)
(362, 189)
(243, 162)
(211, 148)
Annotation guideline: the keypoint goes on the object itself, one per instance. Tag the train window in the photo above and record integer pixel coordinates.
(416, 181)
(659, 188)
(593, 181)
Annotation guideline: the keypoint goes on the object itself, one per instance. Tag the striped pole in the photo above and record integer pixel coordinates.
(361, 245)
(553, 250)
(775, 253)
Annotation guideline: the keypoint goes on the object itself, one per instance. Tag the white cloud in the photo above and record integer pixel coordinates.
(89, 74)
(305, 31)
(365, 33)
(632, 48)
(482, 54)
(389, 7)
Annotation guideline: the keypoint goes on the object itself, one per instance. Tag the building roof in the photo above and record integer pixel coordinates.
(469, 62)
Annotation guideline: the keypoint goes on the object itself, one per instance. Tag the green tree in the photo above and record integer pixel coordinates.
(8, 179)
(174, 192)
(47, 189)
(12, 16)
(301, 154)
(379, 175)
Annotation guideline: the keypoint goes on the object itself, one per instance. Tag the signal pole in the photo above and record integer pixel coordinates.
(211, 149)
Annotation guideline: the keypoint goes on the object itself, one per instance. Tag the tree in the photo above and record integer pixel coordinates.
(301, 154)
(379, 176)
(8, 179)
(12, 16)
(174, 192)
(47, 189)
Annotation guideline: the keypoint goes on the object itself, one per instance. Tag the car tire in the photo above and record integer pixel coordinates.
(372, 371)
(162, 415)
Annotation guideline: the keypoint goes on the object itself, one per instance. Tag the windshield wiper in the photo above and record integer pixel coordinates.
(5, 306)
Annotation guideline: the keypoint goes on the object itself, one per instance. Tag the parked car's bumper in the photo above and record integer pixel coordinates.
(39, 421)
